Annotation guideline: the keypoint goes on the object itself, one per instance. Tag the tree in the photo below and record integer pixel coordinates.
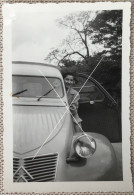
(108, 31)
(93, 34)
(77, 45)
(90, 33)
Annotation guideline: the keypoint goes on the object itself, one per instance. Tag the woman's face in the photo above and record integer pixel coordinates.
(69, 81)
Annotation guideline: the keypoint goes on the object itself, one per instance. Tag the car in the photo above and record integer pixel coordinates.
(46, 147)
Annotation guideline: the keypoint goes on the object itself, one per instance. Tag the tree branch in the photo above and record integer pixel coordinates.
(69, 54)
(86, 45)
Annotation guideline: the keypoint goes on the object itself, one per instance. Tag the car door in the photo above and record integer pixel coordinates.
(98, 110)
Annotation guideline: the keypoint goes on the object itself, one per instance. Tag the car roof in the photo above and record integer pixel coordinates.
(35, 69)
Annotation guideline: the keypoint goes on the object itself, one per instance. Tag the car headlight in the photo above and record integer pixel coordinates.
(84, 146)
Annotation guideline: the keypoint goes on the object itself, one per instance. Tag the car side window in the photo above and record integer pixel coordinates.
(89, 92)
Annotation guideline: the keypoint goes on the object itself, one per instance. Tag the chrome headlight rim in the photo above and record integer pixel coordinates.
(75, 145)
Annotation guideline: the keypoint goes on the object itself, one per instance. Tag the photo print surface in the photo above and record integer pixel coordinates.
(67, 99)
(87, 44)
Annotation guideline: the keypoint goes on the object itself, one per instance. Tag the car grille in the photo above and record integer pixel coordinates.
(38, 169)
(15, 167)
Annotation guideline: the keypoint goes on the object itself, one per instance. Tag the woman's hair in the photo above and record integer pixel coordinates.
(71, 74)
(67, 73)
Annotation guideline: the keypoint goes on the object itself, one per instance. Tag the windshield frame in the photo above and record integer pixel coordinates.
(62, 86)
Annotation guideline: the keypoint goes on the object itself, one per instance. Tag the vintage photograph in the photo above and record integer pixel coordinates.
(68, 94)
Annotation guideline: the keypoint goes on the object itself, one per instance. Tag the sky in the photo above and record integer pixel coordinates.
(35, 31)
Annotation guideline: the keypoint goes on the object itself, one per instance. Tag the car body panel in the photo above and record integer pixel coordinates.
(100, 167)
(32, 69)
(40, 123)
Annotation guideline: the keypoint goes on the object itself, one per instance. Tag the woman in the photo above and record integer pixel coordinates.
(73, 98)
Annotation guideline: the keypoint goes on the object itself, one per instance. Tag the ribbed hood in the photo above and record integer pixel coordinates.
(33, 124)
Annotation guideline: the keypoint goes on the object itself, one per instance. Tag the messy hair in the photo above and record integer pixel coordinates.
(71, 74)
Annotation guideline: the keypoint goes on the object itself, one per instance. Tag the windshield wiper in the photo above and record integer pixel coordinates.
(45, 94)
(20, 92)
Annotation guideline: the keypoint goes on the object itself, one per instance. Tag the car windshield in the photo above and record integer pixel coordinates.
(34, 86)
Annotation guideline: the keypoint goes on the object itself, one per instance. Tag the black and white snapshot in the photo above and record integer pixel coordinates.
(66, 95)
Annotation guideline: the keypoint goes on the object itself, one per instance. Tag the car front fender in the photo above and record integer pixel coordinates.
(102, 166)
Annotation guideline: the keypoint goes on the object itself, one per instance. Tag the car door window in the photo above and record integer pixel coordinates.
(89, 90)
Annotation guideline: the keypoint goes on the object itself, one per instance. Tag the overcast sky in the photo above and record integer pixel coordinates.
(35, 32)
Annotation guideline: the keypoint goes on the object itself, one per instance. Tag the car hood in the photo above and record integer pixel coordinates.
(35, 125)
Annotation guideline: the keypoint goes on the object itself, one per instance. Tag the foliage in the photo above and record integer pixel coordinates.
(108, 31)
(77, 45)
(92, 35)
